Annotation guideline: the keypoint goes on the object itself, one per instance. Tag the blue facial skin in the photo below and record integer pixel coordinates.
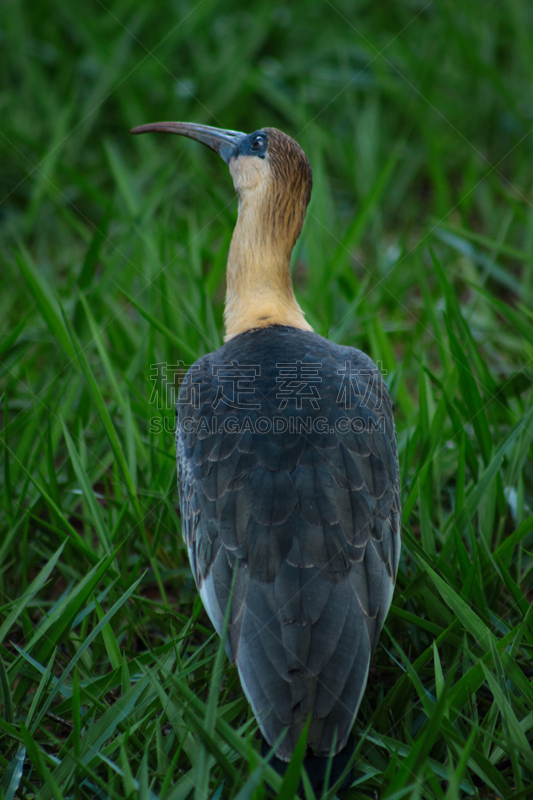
(251, 144)
(255, 144)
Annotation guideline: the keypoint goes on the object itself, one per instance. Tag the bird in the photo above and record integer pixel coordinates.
(288, 474)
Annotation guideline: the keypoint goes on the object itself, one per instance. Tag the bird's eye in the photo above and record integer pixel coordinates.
(257, 143)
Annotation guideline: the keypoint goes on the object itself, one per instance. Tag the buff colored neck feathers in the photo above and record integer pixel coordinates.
(273, 196)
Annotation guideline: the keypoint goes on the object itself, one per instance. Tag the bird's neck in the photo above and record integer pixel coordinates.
(259, 284)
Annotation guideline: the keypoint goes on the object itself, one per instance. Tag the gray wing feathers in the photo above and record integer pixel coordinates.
(312, 528)
(318, 669)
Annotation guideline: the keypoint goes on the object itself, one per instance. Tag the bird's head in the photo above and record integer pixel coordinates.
(269, 170)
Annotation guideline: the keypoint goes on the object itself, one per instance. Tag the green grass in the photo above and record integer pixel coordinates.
(418, 248)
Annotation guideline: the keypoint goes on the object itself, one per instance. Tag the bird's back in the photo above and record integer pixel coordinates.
(289, 489)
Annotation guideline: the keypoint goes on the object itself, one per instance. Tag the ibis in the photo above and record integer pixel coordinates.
(288, 474)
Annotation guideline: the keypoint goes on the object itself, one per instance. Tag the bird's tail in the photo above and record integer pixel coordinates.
(317, 766)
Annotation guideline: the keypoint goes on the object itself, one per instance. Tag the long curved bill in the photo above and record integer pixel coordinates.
(223, 142)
